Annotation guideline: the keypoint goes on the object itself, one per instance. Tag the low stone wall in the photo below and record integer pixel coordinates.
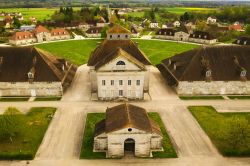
(31, 89)
(213, 88)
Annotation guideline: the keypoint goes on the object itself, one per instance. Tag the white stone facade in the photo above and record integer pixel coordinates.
(31, 89)
(43, 36)
(112, 82)
(23, 42)
(114, 143)
(60, 37)
(213, 88)
(93, 35)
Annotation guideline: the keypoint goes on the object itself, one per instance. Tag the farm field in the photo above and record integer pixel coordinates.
(181, 10)
(39, 13)
(28, 129)
(225, 129)
(78, 51)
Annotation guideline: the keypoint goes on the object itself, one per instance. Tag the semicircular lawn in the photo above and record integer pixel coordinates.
(78, 51)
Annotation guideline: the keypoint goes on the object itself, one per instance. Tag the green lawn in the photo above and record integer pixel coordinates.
(38, 13)
(159, 50)
(201, 97)
(31, 129)
(88, 138)
(239, 97)
(10, 99)
(53, 98)
(78, 51)
(220, 127)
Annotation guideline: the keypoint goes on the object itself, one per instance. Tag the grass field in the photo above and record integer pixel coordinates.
(239, 97)
(75, 51)
(159, 50)
(31, 129)
(78, 51)
(201, 97)
(93, 118)
(38, 13)
(10, 99)
(218, 127)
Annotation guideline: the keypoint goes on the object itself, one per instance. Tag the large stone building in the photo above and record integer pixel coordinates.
(27, 71)
(183, 34)
(118, 68)
(39, 34)
(127, 128)
(210, 70)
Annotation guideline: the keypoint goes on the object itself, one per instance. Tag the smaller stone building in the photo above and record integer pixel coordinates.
(127, 128)
(183, 34)
(210, 70)
(94, 32)
(39, 34)
(202, 37)
(28, 71)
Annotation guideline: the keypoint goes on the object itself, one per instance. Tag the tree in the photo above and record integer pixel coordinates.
(9, 123)
(247, 29)
(104, 32)
(238, 132)
(16, 23)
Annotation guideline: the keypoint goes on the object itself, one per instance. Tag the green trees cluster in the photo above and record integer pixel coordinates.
(86, 14)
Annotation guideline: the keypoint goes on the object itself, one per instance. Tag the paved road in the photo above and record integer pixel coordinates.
(62, 142)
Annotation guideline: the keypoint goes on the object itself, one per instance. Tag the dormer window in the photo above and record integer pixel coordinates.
(30, 75)
(126, 36)
(118, 36)
(110, 36)
(243, 73)
(120, 65)
(208, 73)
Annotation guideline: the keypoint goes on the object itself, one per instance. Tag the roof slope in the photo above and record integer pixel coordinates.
(17, 62)
(118, 29)
(221, 60)
(103, 52)
(126, 115)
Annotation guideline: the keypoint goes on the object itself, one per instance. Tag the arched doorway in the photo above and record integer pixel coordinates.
(129, 146)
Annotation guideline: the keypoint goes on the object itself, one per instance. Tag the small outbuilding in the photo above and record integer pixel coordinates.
(127, 129)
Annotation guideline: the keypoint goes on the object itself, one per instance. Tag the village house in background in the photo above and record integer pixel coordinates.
(27, 71)
(94, 32)
(118, 68)
(154, 24)
(127, 129)
(211, 20)
(134, 32)
(38, 35)
(210, 70)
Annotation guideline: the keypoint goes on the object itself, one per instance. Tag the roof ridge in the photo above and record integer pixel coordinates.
(128, 113)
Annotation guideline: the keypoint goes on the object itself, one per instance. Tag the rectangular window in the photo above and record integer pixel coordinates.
(112, 82)
(120, 92)
(103, 82)
(129, 82)
(138, 82)
(120, 82)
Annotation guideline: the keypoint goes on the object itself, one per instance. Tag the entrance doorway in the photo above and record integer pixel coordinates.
(129, 146)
